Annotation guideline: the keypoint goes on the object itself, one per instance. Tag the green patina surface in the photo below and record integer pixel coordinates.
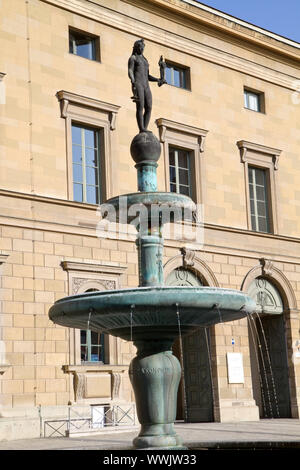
(152, 315)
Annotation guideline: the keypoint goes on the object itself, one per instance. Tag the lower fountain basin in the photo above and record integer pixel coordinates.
(144, 312)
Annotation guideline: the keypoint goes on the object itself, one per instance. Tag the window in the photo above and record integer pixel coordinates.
(92, 343)
(254, 101)
(86, 164)
(91, 151)
(259, 205)
(177, 76)
(91, 346)
(260, 167)
(183, 147)
(84, 45)
(180, 172)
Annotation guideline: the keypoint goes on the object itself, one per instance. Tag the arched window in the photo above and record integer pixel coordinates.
(92, 343)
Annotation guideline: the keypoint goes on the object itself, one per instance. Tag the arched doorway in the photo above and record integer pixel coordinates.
(268, 351)
(195, 397)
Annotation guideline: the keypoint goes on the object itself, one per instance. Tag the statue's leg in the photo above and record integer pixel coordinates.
(148, 107)
(140, 107)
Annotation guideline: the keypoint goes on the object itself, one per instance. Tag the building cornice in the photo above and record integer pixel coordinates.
(48, 200)
(94, 208)
(88, 227)
(229, 23)
(138, 28)
(223, 22)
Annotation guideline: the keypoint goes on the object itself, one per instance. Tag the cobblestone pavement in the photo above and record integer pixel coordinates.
(265, 433)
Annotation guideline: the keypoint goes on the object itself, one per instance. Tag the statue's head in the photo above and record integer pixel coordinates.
(138, 46)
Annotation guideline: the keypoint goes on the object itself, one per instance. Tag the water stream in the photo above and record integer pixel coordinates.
(220, 316)
(131, 320)
(89, 319)
(182, 364)
(210, 368)
(255, 346)
(264, 367)
(270, 365)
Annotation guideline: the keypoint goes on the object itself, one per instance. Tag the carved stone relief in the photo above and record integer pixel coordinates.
(187, 257)
(106, 284)
(79, 385)
(116, 383)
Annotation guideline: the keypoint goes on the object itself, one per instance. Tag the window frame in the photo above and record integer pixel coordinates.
(261, 100)
(98, 167)
(95, 40)
(189, 168)
(266, 186)
(102, 343)
(191, 139)
(182, 69)
(89, 112)
(89, 345)
(266, 158)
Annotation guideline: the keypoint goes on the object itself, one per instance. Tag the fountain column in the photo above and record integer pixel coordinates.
(145, 151)
(154, 373)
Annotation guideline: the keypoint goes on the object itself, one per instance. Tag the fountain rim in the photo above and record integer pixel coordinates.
(162, 199)
(160, 289)
(111, 311)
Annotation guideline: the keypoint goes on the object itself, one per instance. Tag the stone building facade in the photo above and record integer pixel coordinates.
(231, 107)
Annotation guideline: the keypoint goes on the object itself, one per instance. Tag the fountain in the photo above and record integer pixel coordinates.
(160, 313)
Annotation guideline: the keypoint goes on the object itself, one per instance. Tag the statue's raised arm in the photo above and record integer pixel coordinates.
(138, 72)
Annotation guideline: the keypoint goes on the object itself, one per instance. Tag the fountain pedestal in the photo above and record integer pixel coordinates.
(155, 375)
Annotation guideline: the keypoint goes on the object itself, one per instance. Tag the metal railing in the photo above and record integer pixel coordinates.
(100, 416)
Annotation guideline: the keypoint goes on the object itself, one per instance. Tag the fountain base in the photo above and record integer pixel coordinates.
(155, 375)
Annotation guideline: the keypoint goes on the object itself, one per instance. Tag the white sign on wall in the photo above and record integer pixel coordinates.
(235, 368)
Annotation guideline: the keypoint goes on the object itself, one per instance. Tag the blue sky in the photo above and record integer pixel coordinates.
(279, 16)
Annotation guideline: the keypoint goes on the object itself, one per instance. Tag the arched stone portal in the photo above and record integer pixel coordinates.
(268, 351)
(198, 403)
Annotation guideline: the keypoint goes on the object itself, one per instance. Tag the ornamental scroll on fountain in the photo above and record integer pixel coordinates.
(151, 315)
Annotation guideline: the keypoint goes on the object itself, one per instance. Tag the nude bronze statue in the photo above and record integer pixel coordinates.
(138, 71)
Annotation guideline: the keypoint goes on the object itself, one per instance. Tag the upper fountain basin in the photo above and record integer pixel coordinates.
(172, 207)
(154, 310)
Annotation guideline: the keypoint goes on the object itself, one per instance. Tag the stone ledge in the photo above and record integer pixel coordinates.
(88, 378)
(93, 267)
(94, 368)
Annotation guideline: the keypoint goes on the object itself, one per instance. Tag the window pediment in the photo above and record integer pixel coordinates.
(255, 153)
(68, 100)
